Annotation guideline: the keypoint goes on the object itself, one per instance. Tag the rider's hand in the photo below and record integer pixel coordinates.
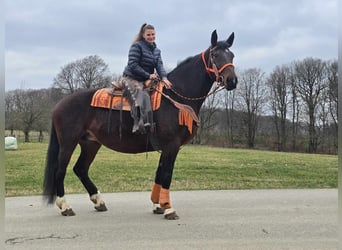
(167, 83)
(154, 76)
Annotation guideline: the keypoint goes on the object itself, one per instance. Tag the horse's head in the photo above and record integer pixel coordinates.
(221, 59)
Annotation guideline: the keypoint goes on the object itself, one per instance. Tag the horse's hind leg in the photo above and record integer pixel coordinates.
(64, 156)
(89, 150)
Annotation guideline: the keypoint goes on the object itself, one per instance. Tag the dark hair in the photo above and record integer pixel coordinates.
(143, 28)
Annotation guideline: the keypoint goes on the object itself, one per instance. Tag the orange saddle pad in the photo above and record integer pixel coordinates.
(103, 98)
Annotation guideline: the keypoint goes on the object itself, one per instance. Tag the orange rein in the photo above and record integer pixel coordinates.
(214, 69)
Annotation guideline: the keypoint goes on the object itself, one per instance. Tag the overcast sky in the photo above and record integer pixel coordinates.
(41, 36)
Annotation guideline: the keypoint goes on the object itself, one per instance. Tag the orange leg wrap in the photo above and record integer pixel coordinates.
(164, 199)
(155, 193)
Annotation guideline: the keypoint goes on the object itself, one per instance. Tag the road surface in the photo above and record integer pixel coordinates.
(232, 219)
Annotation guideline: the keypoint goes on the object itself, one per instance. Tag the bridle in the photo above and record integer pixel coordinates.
(218, 77)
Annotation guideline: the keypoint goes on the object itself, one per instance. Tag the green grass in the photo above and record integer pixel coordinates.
(197, 167)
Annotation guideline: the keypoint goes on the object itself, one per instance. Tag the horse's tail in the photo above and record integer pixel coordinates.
(51, 166)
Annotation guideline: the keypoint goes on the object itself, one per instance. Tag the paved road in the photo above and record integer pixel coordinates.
(234, 219)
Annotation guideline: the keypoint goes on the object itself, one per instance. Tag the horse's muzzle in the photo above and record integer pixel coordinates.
(231, 83)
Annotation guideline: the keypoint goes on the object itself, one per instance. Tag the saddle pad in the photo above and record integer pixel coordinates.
(102, 98)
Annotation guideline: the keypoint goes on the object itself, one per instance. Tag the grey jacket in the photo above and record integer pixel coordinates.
(143, 59)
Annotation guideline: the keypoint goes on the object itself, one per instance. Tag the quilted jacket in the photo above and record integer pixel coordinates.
(143, 59)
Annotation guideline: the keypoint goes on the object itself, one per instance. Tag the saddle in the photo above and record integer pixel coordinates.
(113, 97)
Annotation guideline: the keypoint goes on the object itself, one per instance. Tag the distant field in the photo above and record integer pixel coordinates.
(196, 168)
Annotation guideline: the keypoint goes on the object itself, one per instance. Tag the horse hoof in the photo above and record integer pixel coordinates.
(157, 209)
(68, 212)
(101, 208)
(170, 214)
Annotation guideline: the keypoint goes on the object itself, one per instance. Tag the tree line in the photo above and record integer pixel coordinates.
(293, 108)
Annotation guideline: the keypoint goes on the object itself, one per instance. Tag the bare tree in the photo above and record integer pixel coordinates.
(49, 97)
(29, 110)
(294, 108)
(206, 115)
(28, 104)
(332, 72)
(89, 72)
(322, 124)
(92, 72)
(11, 118)
(67, 80)
(229, 100)
(310, 76)
(279, 83)
(252, 96)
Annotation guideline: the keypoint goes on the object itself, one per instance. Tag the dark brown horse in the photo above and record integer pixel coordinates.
(75, 122)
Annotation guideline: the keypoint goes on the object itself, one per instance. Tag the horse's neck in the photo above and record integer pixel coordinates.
(191, 80)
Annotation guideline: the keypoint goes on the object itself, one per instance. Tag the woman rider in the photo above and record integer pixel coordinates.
(144, 63)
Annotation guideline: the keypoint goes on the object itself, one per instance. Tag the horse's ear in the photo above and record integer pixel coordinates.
(230, 39)
(213, 38)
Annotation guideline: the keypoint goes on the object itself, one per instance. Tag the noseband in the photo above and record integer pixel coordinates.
(217, 72)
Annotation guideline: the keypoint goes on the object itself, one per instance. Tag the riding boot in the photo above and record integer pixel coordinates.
(141, 110)
(135, 115)
(138, 125)
(146, 110)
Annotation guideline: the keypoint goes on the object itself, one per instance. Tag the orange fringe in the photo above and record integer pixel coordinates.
(156, 97)
(185, 119)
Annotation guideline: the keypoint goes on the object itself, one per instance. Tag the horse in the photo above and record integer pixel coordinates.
(75, 122)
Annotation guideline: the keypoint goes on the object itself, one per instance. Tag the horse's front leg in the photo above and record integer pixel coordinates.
(98, 201)
(160, 195)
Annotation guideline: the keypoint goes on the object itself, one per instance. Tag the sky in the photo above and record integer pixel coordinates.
(42, 36)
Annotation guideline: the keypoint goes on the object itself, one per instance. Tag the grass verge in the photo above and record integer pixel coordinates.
(196, 168)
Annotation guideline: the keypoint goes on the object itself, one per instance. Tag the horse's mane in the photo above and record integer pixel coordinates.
(183, 63)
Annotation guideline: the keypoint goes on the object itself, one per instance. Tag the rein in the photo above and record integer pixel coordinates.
(217, 89)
